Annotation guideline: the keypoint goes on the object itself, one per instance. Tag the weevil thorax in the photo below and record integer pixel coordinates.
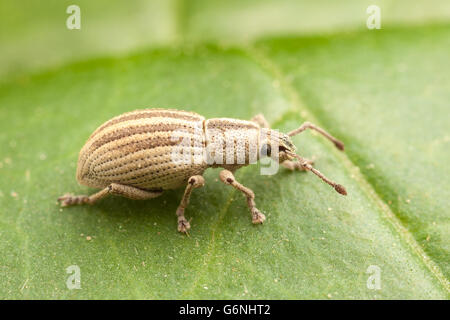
(233, 143)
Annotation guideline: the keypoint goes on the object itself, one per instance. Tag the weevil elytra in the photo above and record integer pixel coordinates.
(140, 154)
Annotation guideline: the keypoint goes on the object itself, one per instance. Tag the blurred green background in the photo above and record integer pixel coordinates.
(384, 92)
(33, 34)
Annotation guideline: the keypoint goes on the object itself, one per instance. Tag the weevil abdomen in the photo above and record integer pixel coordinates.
(137, 149)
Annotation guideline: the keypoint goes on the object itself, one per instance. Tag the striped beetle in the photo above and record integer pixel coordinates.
(137, 155)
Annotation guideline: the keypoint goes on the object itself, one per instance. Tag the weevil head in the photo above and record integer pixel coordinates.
(276, 145)
(279, 147)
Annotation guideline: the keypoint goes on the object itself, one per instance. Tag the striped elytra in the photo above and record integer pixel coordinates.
(136, 148)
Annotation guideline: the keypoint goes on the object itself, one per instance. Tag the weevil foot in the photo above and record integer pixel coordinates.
(183, 225)
(257, 216)
(70, 200)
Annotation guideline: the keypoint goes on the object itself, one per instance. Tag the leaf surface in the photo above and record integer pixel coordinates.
(384, 93)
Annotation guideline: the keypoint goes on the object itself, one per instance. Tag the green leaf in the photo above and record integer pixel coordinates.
(391, 105)
(384, 93)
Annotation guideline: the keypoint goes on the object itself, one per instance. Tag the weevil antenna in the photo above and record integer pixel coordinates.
(339, 188)
(308, 125)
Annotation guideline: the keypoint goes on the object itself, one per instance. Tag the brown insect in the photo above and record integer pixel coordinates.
(137, 155)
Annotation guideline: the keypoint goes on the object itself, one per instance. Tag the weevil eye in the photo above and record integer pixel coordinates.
(266, 150)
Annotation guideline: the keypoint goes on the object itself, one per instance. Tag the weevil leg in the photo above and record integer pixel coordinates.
(193, 182)
(113, 188)
(295, 165)
(228, 178)
(260, 120)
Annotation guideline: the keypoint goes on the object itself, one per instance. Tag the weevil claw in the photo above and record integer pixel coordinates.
(68, 200)
(183, 226)
(257, 216)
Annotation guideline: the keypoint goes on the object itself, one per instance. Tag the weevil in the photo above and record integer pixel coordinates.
(137, 155)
